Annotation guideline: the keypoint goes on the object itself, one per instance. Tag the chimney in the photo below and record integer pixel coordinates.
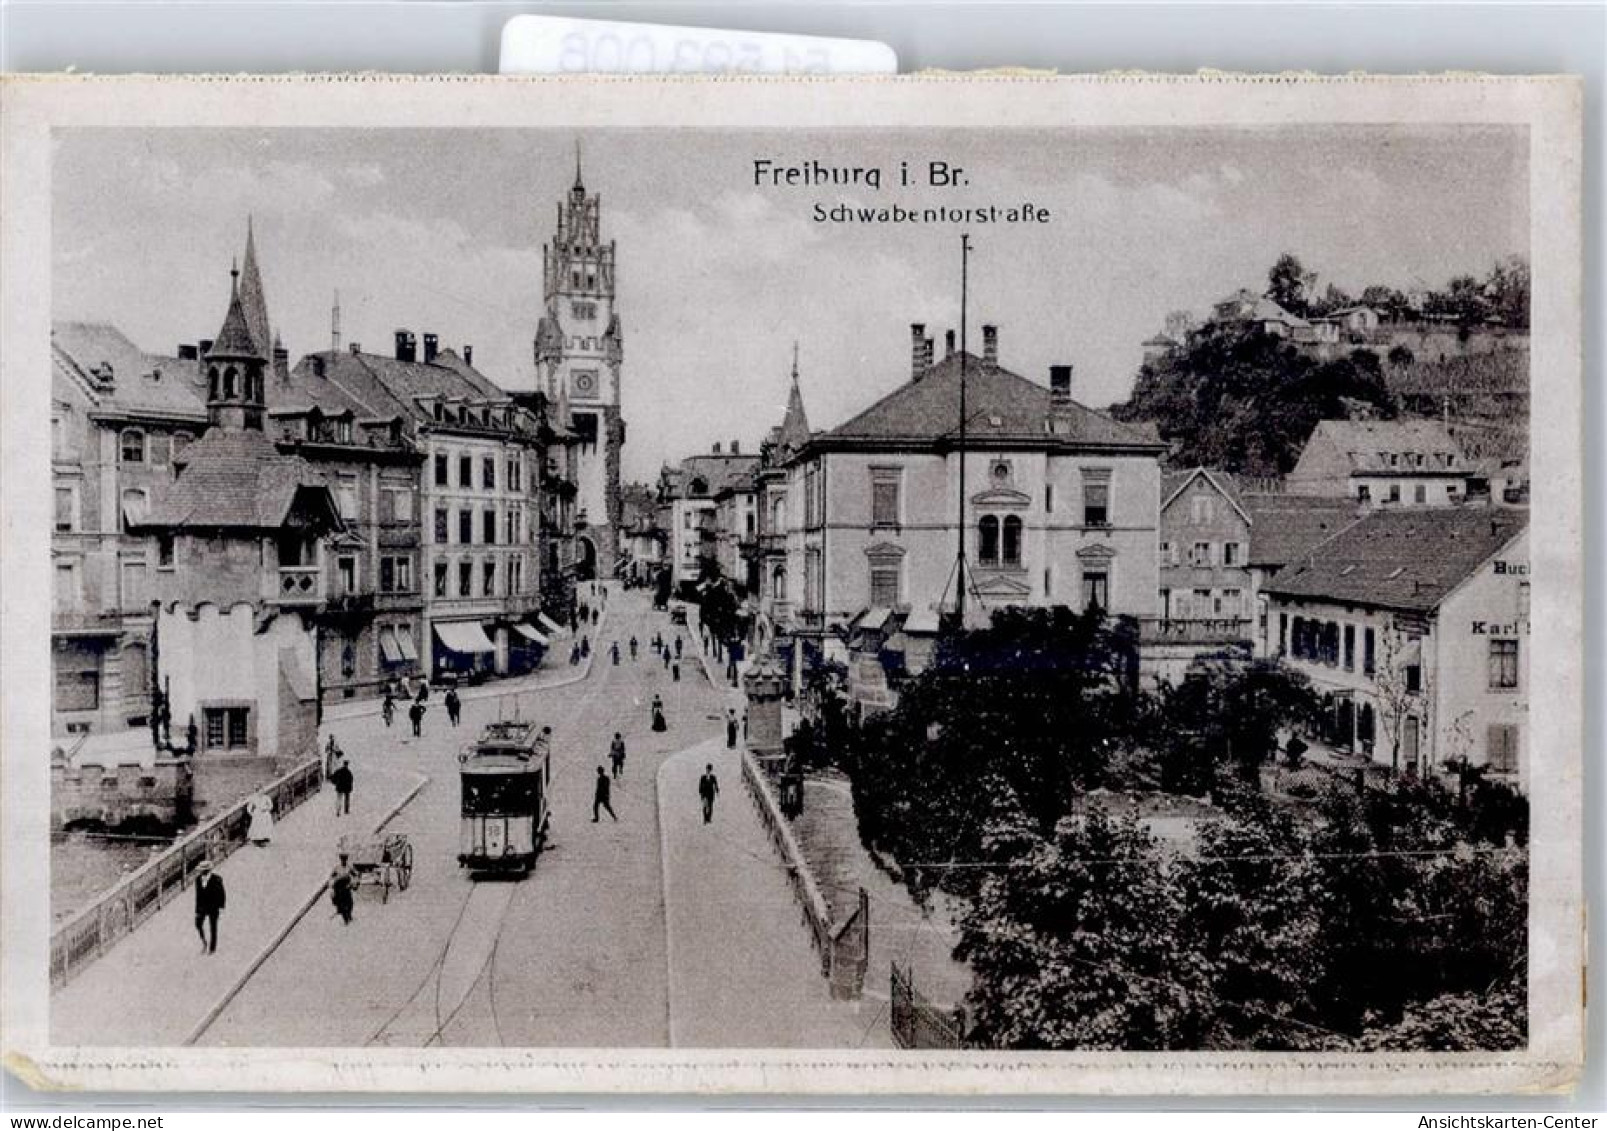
(357, 347)
(204, 347)
(468, 355)
(716, 447)
(948, 343)
(188, 353)
(432, 346)
(917, 350)
(1059, 385)
(406, 346)
(990, 347)
(736, 449)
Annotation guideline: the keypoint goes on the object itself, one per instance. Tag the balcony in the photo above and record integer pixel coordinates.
(299, 585)
(1215, 630)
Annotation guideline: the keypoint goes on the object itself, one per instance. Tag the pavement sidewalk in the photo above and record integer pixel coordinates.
(155, 987)
(742, 971)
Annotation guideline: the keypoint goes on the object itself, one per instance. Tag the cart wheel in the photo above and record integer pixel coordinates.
(404, 867)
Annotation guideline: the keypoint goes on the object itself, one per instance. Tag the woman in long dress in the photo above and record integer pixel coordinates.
(658, 715)
(260, 807)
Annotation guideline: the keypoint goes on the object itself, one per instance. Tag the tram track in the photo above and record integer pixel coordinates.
(482, 918)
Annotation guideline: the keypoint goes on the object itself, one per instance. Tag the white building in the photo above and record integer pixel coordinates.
(1383, 463)
(1414, 625)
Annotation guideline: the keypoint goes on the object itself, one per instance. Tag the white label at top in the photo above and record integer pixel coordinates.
(552, 45)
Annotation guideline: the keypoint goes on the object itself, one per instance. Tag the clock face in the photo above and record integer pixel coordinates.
(584, 383)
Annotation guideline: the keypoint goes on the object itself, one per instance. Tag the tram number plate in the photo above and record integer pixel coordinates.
(496, 835)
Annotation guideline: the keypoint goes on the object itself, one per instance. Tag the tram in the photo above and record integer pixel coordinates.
(506, 780)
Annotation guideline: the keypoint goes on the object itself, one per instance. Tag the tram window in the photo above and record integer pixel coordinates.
(495, 793)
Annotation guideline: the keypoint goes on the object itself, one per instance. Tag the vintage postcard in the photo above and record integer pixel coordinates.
(934, 585)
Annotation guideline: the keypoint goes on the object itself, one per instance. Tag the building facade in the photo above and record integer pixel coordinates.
(118, 418)
(1414, 627)
(579, 352)
(689, 495)
(1060, 503)
(479, 500)
(1383, 463)
(241, 535)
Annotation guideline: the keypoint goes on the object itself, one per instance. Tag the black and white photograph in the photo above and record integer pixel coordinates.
(903, 591)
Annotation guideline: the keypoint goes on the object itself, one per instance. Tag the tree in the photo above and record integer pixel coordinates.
(1073, 939)
(1399, 683)
(1288, 283)
(1507, 292)
(1250, 896)
(1400, 357)
(1227, 713)
(1039, 701)
(1234, 397)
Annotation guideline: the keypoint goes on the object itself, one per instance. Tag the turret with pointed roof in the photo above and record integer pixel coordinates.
(235, 365)
(795, 424)
(253, 299)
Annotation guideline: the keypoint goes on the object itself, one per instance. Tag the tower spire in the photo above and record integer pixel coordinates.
(334, 325)
(579, 187)
(795, 362)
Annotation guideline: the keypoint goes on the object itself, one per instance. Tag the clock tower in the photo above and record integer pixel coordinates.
(579, 348)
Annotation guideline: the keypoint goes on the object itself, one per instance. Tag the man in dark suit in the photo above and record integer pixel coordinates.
(209, 901)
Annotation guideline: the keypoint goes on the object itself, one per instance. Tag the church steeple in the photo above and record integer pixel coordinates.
(236, 362)
(580, 188)
(795, 425)
(252, 297)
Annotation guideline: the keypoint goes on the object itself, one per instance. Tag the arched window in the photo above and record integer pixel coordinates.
(778, 516)
(229, 389)
(1012, 540)
(778, 583)
(987, 551)
(132, 448)
(212, 383)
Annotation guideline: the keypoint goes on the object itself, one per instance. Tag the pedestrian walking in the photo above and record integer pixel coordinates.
(454, 705)
(423, 690)
(387, 709)
(341, 779)
(585, 646)
(600, 795)
(613, 652)
(574, 654)
(616, 754)
(666, 659)
(210, 899)
(633, 649)
(730, 728)
(708, 788)
(341, 883)
(260, 808)
(332, 756)
(675, 671)
(192, 734)
(596, 615)
(678, 645)
(415, 715)
(658, 715)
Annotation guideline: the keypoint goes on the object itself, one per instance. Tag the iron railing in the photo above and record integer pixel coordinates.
(92, 931)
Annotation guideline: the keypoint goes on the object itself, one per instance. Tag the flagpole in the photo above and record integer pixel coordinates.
(960, 578)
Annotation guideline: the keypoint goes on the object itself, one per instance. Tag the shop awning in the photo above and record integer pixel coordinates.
(531, 635)
(873, 618)
(546, 622)
(1412, 653)
(463, 636)
(389, 649)
(404, 639)
(922, 621)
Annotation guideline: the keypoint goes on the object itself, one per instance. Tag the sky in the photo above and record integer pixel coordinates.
(441, 231)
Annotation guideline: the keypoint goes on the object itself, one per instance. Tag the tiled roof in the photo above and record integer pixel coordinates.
(719, 473)
(235, 338)
(1401, 559)
(1251, 307)
(388, 386)
(1000, 405)
(1369, 443)
(234, 478)
(302, 387)
(140, 382)
(1286, 527)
